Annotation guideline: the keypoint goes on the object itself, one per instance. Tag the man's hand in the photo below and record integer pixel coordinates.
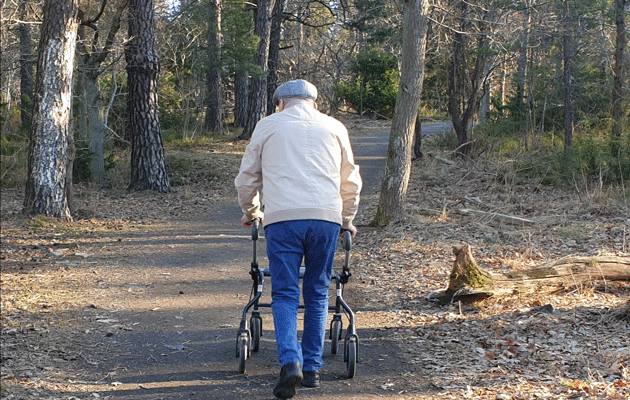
(247, 222)
(351, 228)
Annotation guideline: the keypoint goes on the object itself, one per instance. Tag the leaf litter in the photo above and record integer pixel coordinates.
(568, 345)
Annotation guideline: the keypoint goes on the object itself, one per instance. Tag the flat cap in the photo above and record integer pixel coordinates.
(297, 88)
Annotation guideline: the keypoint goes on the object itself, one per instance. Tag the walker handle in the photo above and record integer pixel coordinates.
(255, 225)
(347, 240)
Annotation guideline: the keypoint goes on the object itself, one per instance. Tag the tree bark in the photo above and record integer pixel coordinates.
(257, 102)
(49, 179)
(27, 70)
(91, 59)
(274, 53)
(417, 135)
(469, 282)
(567, 56)
(241, 95)
(464, 85)
(619, 70)
(148, 167)
(214, 121)
(96, 128)
(393, 196)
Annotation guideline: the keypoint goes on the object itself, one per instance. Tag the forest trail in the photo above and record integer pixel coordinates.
(176, 295)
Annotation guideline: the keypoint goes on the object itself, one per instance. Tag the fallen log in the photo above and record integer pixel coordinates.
(469, 282)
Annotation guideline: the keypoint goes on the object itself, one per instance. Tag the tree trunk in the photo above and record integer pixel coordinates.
(417, 137)
(241, 95)
(215, 103)
(468, 282)
(521, 70)
(148, 167)
(620, 69)
(274, 53)
(567, 56)
(49, 177)
(27, 70)
(257, 103)
(96, 128)
(95, 119)
(464, 85)
(393, 194)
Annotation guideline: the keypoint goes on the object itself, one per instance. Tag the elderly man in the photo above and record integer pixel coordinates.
(301, 160)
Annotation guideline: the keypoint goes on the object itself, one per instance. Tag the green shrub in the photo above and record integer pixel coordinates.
(374, 84)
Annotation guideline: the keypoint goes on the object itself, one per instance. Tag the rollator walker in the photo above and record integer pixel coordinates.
(251, 329)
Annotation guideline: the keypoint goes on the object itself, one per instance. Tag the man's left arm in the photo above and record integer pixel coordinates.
(351, 184)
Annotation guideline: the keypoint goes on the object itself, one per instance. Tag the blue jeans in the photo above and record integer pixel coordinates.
(287, 243)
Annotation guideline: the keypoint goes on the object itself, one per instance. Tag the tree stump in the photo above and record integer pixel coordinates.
(469, 282)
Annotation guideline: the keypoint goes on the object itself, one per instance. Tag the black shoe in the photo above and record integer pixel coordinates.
(290, 378)
(312, 379)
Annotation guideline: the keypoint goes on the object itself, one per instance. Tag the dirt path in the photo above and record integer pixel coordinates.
(175, 297)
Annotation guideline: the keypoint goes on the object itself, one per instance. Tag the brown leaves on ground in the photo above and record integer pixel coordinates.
(567, 345)
(564, 346)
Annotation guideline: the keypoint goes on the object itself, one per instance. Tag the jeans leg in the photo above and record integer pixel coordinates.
(320, 246)
(285, 252)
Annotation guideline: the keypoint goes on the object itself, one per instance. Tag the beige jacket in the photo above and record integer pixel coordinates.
(302, 161)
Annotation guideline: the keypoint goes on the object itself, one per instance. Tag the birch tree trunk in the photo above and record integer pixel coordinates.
(51, 149)
(393, 196)
(148, 167)
(257, 103)
(213, 121)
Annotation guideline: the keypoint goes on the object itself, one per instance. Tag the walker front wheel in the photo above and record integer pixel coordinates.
(243, 351)
(351, 351)
(335, 335)
(256, 328)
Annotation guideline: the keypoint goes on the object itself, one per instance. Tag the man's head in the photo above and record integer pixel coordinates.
(297, 89)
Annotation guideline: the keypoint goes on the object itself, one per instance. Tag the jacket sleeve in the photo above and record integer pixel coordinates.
(351, 183)
(249, 181)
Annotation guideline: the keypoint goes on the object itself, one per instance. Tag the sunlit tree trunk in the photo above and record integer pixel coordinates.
(51, 149)
(257, 103)
(393, 195)
(214, 121)
(148, 167)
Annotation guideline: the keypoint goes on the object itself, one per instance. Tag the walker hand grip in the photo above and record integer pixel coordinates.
(347, 240)
(255, 225)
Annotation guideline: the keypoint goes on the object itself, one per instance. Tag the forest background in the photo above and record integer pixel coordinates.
(543, 81)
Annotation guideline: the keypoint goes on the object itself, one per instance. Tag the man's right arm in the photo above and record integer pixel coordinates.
(248, 182)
